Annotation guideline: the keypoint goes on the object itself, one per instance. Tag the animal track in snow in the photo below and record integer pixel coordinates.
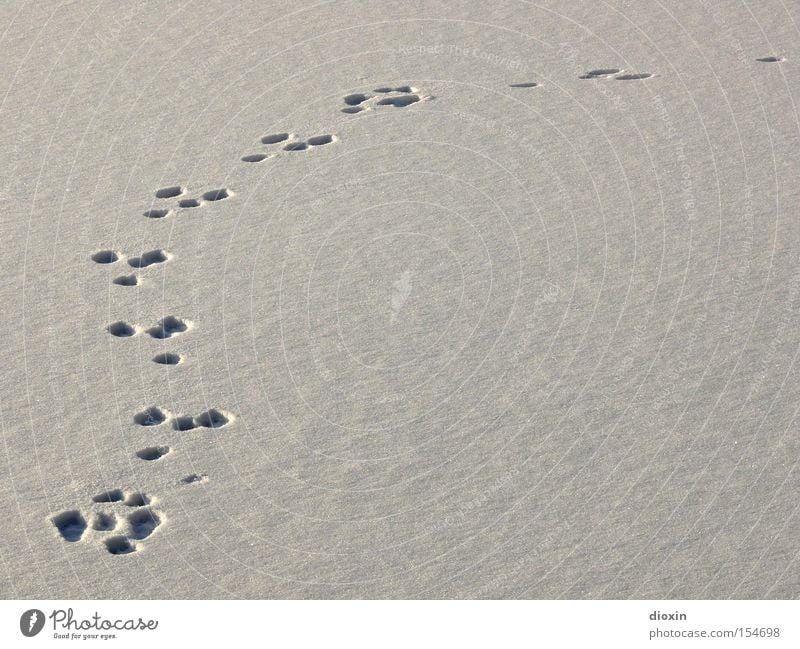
(155, 416)
(398, 97)
(71, 525)
(120, 545)
(157, 213)
(153, 453)
(296, 146)
(143, 522)
(355, 99)
(275, 138)
(126, 280)
(152, 416)
(400, 102)
(170, 192)
(257, 157)
(290, 143)
(130, 514)
(633, 77)
(211, 418)
(121, 329)
(137, 499)
(601, 73)
(185, 202)
(131, 529)
(149, 258)
(168, 358)
(615, 73)
(168, 327)
(103, 522)
(217, 195)
(320, 140)
(111, 496)
(105, 257)
(138, 525)
(194, 478)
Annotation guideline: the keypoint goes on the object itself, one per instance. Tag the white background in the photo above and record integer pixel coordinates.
(410, 623)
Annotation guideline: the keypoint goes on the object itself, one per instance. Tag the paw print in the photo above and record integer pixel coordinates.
(131, 516)
(398, 97)
(138, 262)
(167, 327)
(211, 418)
(155, 416)
(288, 142)
(182, 200)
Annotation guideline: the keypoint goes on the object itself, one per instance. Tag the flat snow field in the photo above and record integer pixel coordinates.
(435, 299)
